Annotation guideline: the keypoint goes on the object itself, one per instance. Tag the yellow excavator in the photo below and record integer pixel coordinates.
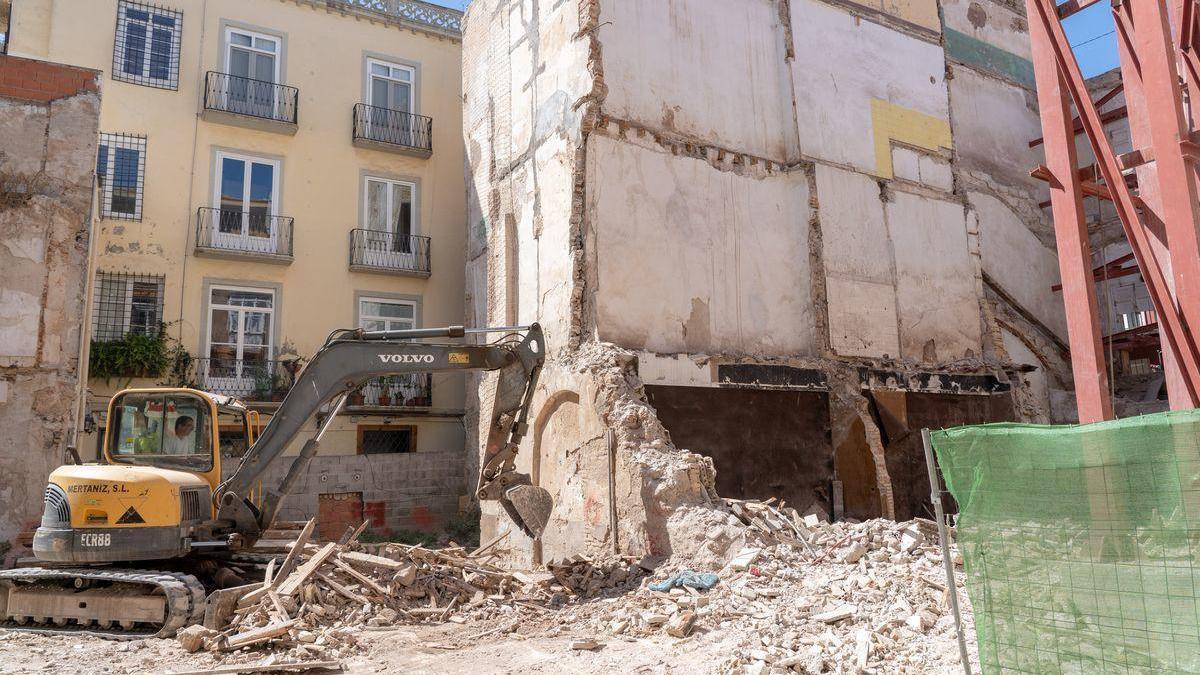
(132, 546)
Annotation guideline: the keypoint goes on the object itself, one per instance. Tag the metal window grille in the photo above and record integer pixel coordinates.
(146, 45)
(385, 441)
(121, 175)
(124, 304)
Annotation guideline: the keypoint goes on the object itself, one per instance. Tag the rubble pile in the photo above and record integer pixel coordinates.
(323, 595)
(836, 597)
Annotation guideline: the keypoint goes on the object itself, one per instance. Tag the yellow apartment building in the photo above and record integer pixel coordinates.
(269, 171)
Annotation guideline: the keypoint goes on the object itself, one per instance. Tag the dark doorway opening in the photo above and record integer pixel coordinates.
(764, 443)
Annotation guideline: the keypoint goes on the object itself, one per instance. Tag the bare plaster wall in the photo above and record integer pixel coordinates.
(713, 71)
(693, 259)
(47, 156)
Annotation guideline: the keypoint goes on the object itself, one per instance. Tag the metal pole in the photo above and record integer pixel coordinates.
(936, 496)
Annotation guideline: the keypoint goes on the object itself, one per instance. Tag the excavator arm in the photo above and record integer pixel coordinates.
(348, 361)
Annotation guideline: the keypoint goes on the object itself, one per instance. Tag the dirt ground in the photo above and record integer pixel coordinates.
(445, 648)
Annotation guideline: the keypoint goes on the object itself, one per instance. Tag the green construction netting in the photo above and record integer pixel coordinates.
(1080, 543)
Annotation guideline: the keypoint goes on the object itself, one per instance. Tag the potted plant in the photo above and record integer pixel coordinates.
(356, 397)
(385, 391)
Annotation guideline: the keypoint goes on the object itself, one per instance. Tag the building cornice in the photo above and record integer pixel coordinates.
(415, 15)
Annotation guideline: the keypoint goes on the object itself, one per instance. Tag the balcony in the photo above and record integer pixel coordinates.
(413, 390)
(242, 235)
(256, 104)
(249, 380)
(392, 131)
(389, 253)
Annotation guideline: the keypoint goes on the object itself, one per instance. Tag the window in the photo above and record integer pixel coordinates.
(120, 175)
(390, 86)
(166, 430)
(239, 339)
(146, 49)
(383, 314)
(246, 189)
(252, 55)
(388, 205)
(379, 440)
(125, 304)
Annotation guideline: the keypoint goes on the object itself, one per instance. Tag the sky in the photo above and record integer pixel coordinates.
(1093, 39)
(1090, 32)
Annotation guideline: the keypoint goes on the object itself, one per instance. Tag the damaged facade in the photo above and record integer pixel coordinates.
(783, 234)
(48, 120)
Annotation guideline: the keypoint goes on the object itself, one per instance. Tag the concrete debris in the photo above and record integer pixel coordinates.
(837, 597)
(324, 594)
(584, 645)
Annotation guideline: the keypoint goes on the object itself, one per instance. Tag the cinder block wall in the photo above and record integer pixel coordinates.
(49, 115)
(406, 491)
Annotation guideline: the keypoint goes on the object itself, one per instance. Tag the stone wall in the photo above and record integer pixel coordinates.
(48, 129)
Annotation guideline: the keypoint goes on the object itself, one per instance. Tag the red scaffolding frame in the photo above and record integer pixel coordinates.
(1160, 74)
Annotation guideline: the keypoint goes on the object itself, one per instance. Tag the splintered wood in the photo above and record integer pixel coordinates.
(320, 595)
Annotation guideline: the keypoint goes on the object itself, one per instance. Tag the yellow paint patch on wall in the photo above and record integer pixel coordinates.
(897, 123)
(923, 13)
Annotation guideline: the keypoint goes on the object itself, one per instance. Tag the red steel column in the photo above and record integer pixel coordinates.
(1148, 190)
(1164, 115)
(1070, 232)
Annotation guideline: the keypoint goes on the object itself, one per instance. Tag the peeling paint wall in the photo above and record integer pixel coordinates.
(821, 186)
(48, 129)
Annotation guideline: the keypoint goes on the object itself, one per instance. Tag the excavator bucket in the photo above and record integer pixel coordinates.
(529, 506)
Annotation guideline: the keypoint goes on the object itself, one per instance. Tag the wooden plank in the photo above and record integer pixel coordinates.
(301, 575)
(283, 613)
(366, 580)
(372, 560)
(221, 603)
(352, 536)
(257, 635)
(296, 666)
(293, 556)
(327, 580)
(495, 540)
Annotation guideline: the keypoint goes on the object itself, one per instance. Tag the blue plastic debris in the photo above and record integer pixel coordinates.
(698, 580)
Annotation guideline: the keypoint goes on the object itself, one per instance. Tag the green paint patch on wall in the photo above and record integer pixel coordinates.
(975, 52)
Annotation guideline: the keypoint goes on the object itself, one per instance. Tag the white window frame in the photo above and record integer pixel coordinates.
(363, 317)
(218, 170)
(412, 82)
(241, 310)
(172, 80)
(390, 182)
(110, 165)
(229, 47)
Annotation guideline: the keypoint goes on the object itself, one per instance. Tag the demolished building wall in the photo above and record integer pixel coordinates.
(803, 195)
(48, 129)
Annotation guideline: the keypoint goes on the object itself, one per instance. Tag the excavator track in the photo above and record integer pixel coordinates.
(110, 603)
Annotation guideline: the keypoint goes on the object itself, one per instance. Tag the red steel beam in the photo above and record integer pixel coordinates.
(1088, 366)
(1162, 125)
(1054, 49)
(1077, 126)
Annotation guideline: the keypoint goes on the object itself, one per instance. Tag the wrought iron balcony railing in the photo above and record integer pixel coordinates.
(414, 390)
(250, 380)
(253, 98)
(400, 130)
(374, 251)
(243, 233)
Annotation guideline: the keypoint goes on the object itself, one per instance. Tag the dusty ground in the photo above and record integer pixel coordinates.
(412, 649)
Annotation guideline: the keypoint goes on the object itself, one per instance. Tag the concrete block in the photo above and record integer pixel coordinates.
(906, 164)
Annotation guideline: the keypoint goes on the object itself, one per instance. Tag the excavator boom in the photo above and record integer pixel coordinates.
(353, 357)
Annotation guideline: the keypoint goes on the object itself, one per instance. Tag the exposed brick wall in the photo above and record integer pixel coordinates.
(42, 81)
(337, 511)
